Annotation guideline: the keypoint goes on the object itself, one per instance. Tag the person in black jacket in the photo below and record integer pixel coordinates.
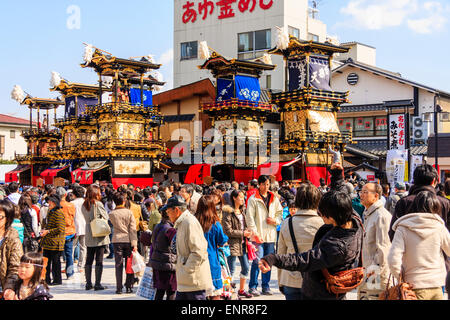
(337, 246)
(163, 260)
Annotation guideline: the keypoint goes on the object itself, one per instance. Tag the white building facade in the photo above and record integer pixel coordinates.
(242, 29)
(11, 140)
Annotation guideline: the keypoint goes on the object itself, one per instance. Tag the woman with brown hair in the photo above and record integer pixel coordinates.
(93, 208)
(10, 248)
(209, 220)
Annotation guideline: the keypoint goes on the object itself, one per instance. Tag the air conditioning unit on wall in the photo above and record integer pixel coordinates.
(420, 130)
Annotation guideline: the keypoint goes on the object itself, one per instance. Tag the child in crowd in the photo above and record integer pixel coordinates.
(30, 285)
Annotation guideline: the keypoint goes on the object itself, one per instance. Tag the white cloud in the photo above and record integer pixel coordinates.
(420, 17)
(167, 57)
(378, 14)
(434, 22)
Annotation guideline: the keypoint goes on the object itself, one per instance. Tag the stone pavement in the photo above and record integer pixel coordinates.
(74, 289)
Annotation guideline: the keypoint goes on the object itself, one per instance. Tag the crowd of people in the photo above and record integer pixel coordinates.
(193, 235)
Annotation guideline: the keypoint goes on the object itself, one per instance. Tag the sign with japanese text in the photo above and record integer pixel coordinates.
(397, 132)
(319, 73)
(297, 74)
(220, 9)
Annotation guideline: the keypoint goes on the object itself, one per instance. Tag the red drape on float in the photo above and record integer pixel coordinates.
(197, 172)
(13, 176)
(137, 182)
(270, 169)
(244, 175)
(52, 172)
(314, 174)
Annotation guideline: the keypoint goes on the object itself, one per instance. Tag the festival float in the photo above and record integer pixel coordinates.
(238, 116)
(110, 131)
(40, 140)
(308, 108)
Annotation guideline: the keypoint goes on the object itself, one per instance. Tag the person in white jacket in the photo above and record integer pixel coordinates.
(80, 225)
(376, 242)
(417, 249)
(264, 213)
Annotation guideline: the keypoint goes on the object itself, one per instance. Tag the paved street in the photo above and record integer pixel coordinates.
(74, 289)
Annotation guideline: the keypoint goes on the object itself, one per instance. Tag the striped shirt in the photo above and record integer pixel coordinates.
(56, 225)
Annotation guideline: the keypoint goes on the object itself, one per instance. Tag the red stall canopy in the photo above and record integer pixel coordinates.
(244, 175)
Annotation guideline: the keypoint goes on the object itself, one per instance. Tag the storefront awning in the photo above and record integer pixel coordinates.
(13, 176)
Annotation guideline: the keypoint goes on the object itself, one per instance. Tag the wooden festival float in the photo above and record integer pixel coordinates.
(308, 109)
(40, 138)
(238, 108)
(110, 131)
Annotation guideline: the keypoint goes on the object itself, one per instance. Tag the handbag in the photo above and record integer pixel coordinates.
(251, 250)
(400, 291)
(129, 265)
(99, 226)
(143, 225)
(347, 280)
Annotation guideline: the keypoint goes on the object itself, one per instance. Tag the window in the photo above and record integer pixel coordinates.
(364, 127)
(189, 50)
(313, 37)
(251, 44)
(12, 134)
(294, 32)
(2, 145)
(381, 126)
(345, 125)
(268, 81)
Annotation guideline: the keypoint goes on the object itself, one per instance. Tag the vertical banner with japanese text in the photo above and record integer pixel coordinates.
(397, 132)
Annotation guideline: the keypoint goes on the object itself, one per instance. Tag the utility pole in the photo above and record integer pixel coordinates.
(437, 110)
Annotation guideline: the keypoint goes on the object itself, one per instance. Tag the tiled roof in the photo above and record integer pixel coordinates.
(14, 120)
(379, 148)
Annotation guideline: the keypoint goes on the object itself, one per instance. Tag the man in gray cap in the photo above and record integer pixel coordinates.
(192, 269)
(400, 192)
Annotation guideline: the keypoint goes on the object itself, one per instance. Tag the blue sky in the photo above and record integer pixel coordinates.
(411, 36)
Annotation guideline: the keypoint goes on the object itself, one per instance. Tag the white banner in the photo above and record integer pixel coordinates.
(397, 132)
(396, 166)
(415, 162)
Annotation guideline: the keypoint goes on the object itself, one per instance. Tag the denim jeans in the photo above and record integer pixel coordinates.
(261, 251)
(68, 255)
(291, 293)
(243, 260)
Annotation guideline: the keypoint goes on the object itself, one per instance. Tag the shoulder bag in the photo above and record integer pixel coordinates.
(99, 226)
(399, 291)
(347, 280)
(143, 225)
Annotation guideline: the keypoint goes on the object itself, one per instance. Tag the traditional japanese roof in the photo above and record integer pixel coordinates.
(390, 75)
(71, 88)
(43, 104)
(220, 65)
(376, 149)
(108, 64)
(300, 47)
